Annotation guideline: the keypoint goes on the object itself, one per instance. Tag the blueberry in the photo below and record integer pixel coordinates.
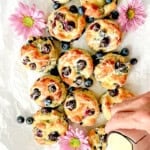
(133, 61)
(71, 104)
(20, 119)
(70, 26)
(99, 54)
(124, 52)
(52, 88)
(88, 82)
(35, 94)
(46, 48)
(32, 66)
(105, 42)
(78, 81)
(66, 71)
(54, 71)
(81, 10)
(46, 110)
(26, 60)
(65, 45)
(108, 1)
(73, 9)
(39, 133)
(47, 102)
(90, 112)
(95, 27)
(56, 5)
(71, 89)
(95, 60)
(81, 64)
(53, 136)
(115, 14)
(29, 120)
(113, 92)
(89, 19)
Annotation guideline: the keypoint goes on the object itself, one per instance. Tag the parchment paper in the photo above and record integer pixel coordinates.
(15, 81)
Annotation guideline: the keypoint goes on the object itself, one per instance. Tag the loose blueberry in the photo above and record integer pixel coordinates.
(46, 48)
(71, 104)
(115, 14)
(71, 89)
(66, 71)
(54, 71)
(105, 42)
(89, 19)
(65, 45)
(81, 10)
(52, 88)
(56, 5)
(133, 61)
(108, 1)
(81, 64)
(113, 92)
(73, 9)
(124, 52)
(29, 120)
(47, 102)
(53, 136)
(20, 119)
(99, 54)
(95, 27)
(88, 82)
(35, 94)
(78, 81)
(32, 66)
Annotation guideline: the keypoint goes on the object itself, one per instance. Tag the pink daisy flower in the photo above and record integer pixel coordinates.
(132, 15)
(28, 21)
(74, 140)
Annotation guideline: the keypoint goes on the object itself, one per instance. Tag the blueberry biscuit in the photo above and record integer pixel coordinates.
(103, 35)
(39, 54)
(75, 66)
(112, 70)
(97, 138)
(110, 98)
(65, 25)
(81, 106)
(48, 91)
(48, 126)
(98, 8)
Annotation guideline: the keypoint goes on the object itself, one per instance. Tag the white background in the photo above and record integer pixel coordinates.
(15, 81)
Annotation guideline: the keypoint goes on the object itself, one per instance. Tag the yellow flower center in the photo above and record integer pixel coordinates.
(75, 143)
(130, 13)
(28, 21)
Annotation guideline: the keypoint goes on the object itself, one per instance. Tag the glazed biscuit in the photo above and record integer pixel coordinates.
(98, 8)
(48, 91)
(48, 126)
(61, 1)
(65, 25)
(108, 99)
(39, 54)
(103, 35)
(81, 107)
(75, 66)
(97, 138)
(112, 70)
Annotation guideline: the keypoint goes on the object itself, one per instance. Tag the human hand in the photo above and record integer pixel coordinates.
(131, 114)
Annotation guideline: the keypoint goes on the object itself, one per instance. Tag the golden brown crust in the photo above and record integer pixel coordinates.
(107, 101)
(48, 91)
(70, 59)
(39, 54)
(108, 75)
(65, 25)
(47, 124)
(106, 37)
(97, 138)
(98, 8)
(82, 107)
